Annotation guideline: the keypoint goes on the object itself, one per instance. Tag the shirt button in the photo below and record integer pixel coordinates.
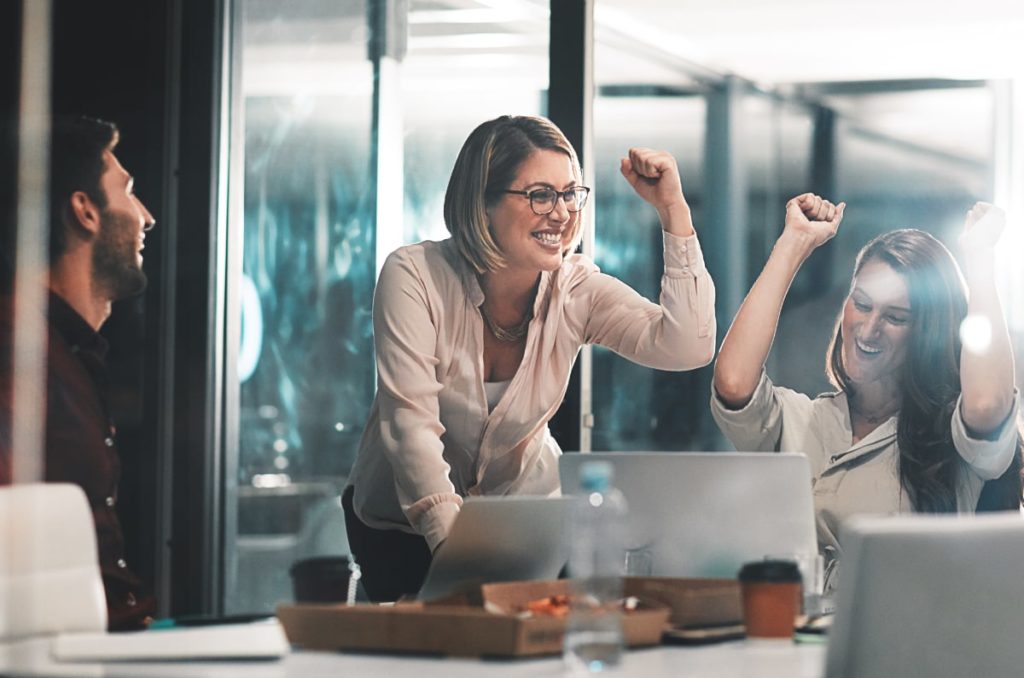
(121, 563)
(131, 600)
(108, 441)
(684, 248)
(109, 501)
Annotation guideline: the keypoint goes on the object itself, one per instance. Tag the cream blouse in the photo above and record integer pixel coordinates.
(430, 440)
(853, 478)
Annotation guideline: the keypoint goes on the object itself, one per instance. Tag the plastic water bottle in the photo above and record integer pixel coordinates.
(593, 638)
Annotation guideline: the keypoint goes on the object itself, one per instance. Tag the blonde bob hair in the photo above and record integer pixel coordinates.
(487, 165)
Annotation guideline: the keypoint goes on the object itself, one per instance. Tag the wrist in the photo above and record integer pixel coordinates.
(677, 219)
(979, 262)
(794, 246)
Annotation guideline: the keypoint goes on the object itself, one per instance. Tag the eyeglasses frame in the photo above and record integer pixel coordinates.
(559, 194)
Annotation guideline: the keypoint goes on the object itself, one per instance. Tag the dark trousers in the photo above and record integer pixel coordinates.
(393, 563)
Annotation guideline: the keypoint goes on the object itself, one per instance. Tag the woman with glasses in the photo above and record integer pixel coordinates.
(475, 337)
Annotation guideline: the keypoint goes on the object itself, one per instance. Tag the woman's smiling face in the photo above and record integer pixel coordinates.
(876, 324)
(528, 241)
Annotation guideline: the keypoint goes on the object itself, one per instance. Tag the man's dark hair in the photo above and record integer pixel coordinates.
(76, 164)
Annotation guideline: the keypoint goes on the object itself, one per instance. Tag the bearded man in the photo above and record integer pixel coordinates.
(97, 231)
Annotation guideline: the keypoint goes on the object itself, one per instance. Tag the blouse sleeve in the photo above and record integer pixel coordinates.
(755, 427)
(678, 333)
(405, 338)
(988, 457)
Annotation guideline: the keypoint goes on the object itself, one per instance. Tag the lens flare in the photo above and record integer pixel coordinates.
(976, 334)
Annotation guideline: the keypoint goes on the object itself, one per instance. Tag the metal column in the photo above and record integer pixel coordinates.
(571, 107)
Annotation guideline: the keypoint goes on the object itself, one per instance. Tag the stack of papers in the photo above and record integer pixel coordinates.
(255, 640)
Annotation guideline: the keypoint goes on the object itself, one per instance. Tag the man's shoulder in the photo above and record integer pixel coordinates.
(6, 311)
(6, 334)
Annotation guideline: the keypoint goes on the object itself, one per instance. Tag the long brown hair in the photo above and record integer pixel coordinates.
(930, 376)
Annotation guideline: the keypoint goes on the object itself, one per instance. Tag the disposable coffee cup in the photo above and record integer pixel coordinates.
(771, 597)
(324, 579)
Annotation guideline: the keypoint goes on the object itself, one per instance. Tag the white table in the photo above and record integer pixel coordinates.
(739, 659)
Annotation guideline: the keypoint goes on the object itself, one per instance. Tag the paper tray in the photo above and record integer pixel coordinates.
(456, 630)
(694, 602)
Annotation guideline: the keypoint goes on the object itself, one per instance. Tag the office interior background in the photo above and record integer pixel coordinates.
(286, 147)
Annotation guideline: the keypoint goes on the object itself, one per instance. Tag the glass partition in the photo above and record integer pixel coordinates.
(307, 237)
(322, 126)
(634, 407)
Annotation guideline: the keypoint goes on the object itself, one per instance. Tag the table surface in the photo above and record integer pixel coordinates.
(736, 659)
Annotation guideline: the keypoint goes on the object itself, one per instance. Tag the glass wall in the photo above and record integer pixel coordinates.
(327, 194)
(635, 407)
(307, 235)
(343, 152)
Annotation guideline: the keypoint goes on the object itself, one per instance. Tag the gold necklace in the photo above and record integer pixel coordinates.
(507, 335)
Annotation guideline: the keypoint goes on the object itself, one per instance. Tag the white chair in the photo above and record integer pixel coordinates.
(930, 597)
(49, 567)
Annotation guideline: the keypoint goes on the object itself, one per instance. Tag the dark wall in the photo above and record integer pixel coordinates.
(10, 50)
(110, 62)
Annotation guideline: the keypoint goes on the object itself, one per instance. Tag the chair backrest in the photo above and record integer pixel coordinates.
(930, 597)
(49, 567)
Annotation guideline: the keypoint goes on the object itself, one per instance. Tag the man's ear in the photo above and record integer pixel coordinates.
(85, 214)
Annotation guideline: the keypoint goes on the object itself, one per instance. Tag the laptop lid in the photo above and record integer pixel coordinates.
(705, 514)
(500, 539)
(929, 597)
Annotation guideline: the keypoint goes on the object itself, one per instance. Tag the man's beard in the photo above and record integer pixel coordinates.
(115, 257)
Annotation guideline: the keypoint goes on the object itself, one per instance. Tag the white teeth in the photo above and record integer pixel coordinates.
(548, 238)
(867, 349)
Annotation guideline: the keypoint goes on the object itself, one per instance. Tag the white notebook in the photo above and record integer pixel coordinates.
(255, 640)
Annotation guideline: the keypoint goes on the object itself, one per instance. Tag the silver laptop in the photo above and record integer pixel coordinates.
(929, 597)
(500, 539)
(705, 514)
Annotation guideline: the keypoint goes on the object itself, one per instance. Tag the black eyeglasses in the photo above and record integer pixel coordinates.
(543, 200)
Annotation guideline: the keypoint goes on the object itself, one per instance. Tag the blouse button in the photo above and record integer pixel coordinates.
(109, 501)
(131, 600)
(121, 564)
(108, 441)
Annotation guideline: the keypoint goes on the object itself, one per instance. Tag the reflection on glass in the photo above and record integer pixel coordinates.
(308, 269)
(637, 408)
(311, 232)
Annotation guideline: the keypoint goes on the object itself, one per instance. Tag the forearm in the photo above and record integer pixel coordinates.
(986, 372)
(745, 348)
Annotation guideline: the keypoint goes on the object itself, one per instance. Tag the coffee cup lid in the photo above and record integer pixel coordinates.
(770, 571)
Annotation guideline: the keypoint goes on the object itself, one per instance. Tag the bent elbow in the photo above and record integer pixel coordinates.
(706, 355)
(693, 358)
(985, 417)
(732, 388)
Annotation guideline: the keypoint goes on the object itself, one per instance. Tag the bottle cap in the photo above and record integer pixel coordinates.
(596, 476)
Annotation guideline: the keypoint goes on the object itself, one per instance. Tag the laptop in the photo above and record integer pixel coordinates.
(500, 539)
(705, 514)
(929, 597)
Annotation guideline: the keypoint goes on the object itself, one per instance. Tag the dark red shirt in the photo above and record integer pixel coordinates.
(81, 445)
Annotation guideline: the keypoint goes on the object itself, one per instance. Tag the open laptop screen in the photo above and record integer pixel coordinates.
(500, 539)
(704, 514)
